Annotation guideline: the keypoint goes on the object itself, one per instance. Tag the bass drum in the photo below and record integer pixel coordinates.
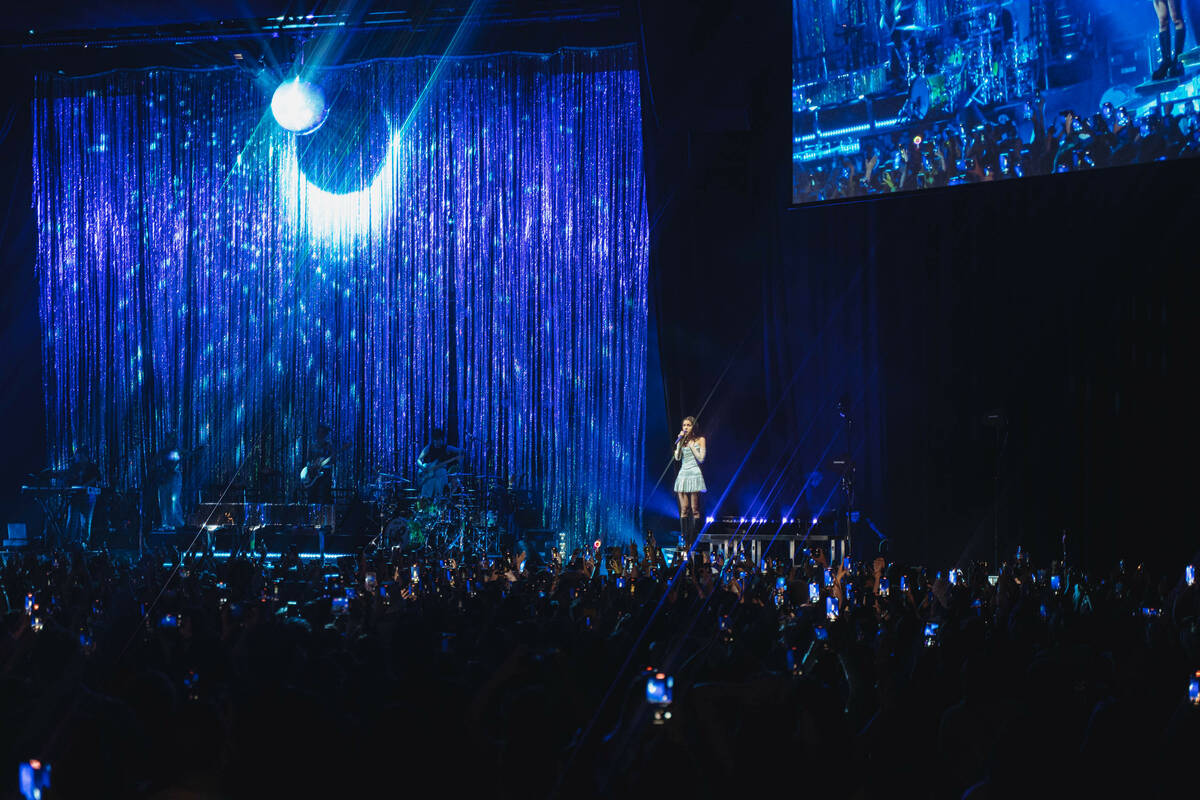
(927, 95)
(404, 533)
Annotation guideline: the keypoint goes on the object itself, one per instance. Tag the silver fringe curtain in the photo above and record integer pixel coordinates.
(470, 253)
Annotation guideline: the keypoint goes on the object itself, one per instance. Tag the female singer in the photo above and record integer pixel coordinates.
(690, 450)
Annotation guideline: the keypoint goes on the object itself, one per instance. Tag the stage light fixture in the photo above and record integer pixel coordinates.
(299, 106)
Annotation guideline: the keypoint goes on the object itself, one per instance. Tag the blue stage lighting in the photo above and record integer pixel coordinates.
(299, 106)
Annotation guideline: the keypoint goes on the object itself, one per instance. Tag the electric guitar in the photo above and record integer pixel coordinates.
(311, 472)
(433, 474)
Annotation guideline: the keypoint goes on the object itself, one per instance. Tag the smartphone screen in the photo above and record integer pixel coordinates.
(883, 587)
(340, 606)
(1194, 689)
(953, 577)
(780, 584)
(1189, 575)
(415, 574)
(828, 577)
(820, 633)
(831, 607)
(660, 689)
(34, 778)
(814, 593)
(904, 583)
(1055, 582)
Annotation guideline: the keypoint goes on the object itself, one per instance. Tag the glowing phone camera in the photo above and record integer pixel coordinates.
(660, 689)
(931, 633)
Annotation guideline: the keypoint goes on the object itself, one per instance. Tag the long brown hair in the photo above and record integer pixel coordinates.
(695, 432)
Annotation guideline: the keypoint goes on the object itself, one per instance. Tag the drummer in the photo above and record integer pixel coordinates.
(433, 473)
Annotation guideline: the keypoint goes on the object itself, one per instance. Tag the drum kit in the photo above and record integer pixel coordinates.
(464, 516)
(973, 59)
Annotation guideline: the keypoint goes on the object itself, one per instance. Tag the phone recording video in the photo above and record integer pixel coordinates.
(33, 779)
(1056, 583)
(169, 621)
(931, 633)
(794, 660)
(340, 606)
(1189, 575)
(1194, 688)
(884, 587)
(814, 593)
(660, 689)
(831, 608)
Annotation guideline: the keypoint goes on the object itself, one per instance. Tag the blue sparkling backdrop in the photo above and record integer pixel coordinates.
(487, 273)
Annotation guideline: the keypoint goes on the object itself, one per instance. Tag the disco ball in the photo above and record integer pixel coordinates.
(299, 106)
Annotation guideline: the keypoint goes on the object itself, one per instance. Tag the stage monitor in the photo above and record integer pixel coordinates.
(906, 95)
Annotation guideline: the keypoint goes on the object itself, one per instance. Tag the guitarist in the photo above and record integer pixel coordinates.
(433, 463)
(318, 472)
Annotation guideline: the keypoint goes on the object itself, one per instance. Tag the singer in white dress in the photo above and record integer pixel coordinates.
(690, 451)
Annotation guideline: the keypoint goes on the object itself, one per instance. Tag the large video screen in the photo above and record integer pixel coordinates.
(904, 95)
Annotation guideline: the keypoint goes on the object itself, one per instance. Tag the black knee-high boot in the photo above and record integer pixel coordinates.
(685, 529)
(1180, 35)
(1164, 47)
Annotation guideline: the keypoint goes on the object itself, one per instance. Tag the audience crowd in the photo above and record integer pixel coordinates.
(608, 673)
(954, 151)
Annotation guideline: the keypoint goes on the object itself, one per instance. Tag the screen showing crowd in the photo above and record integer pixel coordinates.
(901, 95)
